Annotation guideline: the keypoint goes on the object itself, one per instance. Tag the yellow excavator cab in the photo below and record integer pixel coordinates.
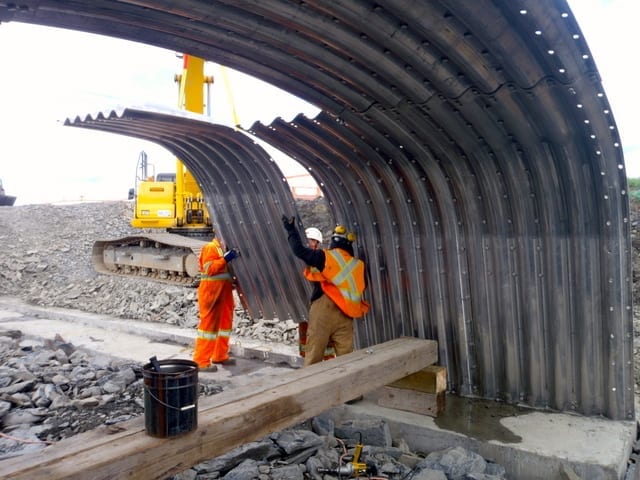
(155, 205)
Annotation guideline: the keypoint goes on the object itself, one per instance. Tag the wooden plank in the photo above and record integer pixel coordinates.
(432, 404)
(226, 420)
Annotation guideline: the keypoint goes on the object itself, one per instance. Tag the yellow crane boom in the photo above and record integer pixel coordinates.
(169, 201)
(176, 203)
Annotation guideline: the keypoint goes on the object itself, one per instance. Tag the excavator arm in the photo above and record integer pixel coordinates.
(171, 203)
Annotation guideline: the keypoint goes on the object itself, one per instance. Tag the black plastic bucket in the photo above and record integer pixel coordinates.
(170, 397)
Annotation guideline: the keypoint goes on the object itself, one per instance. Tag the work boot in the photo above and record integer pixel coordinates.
(227, 362)
(210, 369)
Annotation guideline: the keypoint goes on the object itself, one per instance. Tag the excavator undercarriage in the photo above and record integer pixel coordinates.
(163, 257)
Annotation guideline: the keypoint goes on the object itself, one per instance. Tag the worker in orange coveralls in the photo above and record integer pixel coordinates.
(215, 305)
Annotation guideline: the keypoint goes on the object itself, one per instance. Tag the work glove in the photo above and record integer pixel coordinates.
(289, 223)
(231, 254)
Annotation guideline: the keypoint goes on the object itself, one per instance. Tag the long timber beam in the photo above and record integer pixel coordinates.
(226, 420)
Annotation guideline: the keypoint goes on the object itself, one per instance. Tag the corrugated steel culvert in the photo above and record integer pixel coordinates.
(469, 144)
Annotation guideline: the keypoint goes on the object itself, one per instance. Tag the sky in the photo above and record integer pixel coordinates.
(56, 74)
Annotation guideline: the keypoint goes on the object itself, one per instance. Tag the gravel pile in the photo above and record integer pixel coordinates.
(46, 261)
(49, 390)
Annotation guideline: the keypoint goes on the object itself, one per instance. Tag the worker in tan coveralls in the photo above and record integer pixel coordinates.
(342, 281)
(314, 237)
(215, 305)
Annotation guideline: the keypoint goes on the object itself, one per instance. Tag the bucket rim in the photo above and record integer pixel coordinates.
(148, 368)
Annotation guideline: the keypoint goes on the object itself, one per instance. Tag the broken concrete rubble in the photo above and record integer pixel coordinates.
(305, 451)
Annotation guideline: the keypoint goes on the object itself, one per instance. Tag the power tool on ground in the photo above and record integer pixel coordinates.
(353, 468)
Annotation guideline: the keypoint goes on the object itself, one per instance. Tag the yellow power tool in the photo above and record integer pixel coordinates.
(354, 468)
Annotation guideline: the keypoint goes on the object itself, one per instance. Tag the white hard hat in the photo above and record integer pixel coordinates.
(313, 233)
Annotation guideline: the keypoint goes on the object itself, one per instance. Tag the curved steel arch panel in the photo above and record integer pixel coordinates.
(246, 194)
(472, 147)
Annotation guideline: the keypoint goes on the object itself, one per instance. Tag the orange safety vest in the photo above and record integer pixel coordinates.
(342, 280)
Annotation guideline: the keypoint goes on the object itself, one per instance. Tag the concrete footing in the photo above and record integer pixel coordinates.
(531, 445)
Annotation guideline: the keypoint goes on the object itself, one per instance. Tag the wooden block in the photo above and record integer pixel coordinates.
(227, 420)
(432, 379)
(422, 392)
(414, 401)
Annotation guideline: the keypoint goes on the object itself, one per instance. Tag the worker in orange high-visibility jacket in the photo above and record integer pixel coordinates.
(215, 305)
(342, 281)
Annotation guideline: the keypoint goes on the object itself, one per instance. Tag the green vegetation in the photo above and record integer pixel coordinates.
(634, 189)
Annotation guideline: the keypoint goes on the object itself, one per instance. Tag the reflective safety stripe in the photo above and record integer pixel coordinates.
(224, 333)
(207, 335)
(220, 276)
(213, 335)
(345, 274)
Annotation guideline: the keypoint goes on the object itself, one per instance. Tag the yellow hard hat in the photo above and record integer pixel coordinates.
(340, 229)
(341, 232)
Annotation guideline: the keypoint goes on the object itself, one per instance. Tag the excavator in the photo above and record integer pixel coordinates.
(170, 202)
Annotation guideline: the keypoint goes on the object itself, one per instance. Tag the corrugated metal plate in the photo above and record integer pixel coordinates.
(470, 145)
(246, 195)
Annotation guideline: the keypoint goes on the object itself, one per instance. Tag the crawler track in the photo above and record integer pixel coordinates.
(166, 257)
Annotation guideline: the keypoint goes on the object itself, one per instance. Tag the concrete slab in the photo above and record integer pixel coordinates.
(101, 334)
(530, 444)
(121, 337)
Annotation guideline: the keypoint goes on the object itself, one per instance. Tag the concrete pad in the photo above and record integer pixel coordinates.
(97, 334)
(121, 337)
(530, 444)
